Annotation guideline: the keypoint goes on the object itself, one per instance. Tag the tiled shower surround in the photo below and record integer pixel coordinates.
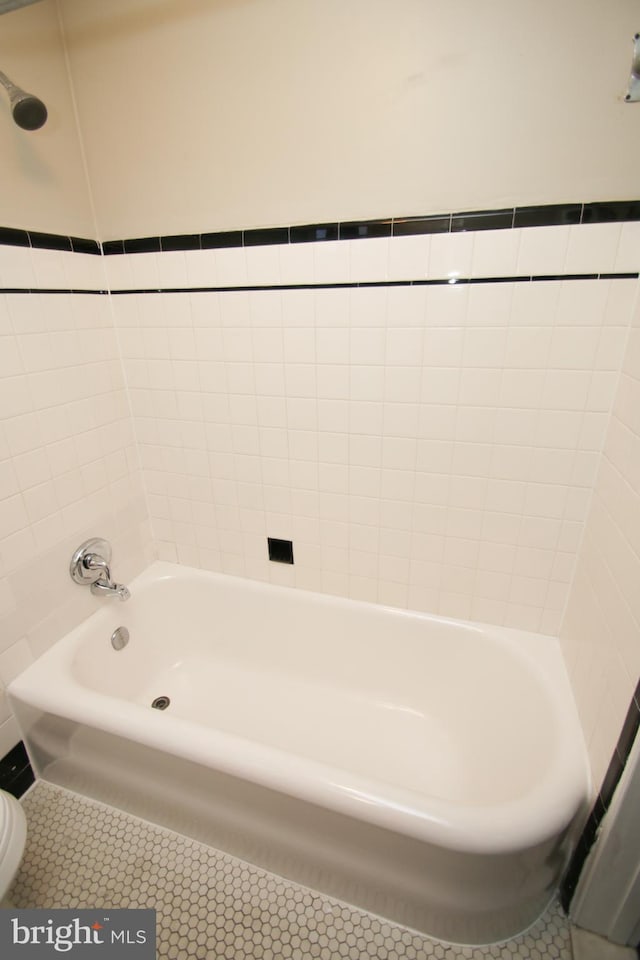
(424, 446)
(430, 445)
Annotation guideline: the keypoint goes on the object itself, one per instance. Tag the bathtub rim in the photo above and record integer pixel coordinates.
(497, 828)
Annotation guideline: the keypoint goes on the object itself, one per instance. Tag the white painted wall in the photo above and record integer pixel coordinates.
(43, 184)
(216, 114)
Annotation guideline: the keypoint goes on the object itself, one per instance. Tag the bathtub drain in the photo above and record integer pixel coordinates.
(161, 703)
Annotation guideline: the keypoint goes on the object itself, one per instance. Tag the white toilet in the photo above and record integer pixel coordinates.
(13, 834)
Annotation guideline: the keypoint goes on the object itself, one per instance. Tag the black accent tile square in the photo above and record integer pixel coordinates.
(142, 245)
(410, 226)
(111, 247)
(548, 215)
(281, 551)
(227, 238)
(482, 220)
(13, 762)
(21, 784)
(14, 238)
(181, 241)
(265, 237)
(313, 232)
(82, 245)
(16, 775)
(364, 229)
(49, 241)
(616, 210)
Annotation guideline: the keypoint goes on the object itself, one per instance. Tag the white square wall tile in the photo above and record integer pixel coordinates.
(409, 257)
(446, 305)
(16, 266)
(231, 267)
(528, 346)
(628, 253)
(582, 302)
(172, 268)
(495, 253)
(592, 248)
(118, 272)
(50, 268)
(367, 345)
(543, 250)
(451, 255)
(263, 264)
(299, 345)
(331, 261)
(404, 346)
(406, 306)
(489, 304)
(332, 345)
(368, 258)
(484, 347)
(296, 262)
(573, 347)
(144, 270)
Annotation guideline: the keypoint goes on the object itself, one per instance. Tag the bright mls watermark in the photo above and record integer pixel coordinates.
(79, 934)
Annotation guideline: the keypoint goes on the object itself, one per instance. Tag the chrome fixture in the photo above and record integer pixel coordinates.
(120, 638)
(29, 112)
(633, 90)
(90, 565)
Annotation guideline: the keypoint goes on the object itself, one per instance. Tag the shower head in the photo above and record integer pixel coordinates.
(28, 111)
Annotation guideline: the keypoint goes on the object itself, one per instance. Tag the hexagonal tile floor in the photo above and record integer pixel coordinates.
(212, 906)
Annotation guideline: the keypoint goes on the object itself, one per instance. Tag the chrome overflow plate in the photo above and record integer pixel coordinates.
(119, 638)
(160, 703)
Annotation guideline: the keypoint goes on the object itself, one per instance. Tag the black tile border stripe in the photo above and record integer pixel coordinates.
(503, 219)
(603, 800)
(347, 285)
(56, 290)
(542, 215)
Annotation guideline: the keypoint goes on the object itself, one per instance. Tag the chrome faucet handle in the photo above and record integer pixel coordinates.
(90, 562)
(90, 566)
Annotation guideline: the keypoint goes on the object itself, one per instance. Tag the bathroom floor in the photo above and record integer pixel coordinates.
(212, 906)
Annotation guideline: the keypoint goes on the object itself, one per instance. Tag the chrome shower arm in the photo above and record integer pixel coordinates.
(6, 83)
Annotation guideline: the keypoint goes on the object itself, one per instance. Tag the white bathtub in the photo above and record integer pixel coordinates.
(425, 769)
